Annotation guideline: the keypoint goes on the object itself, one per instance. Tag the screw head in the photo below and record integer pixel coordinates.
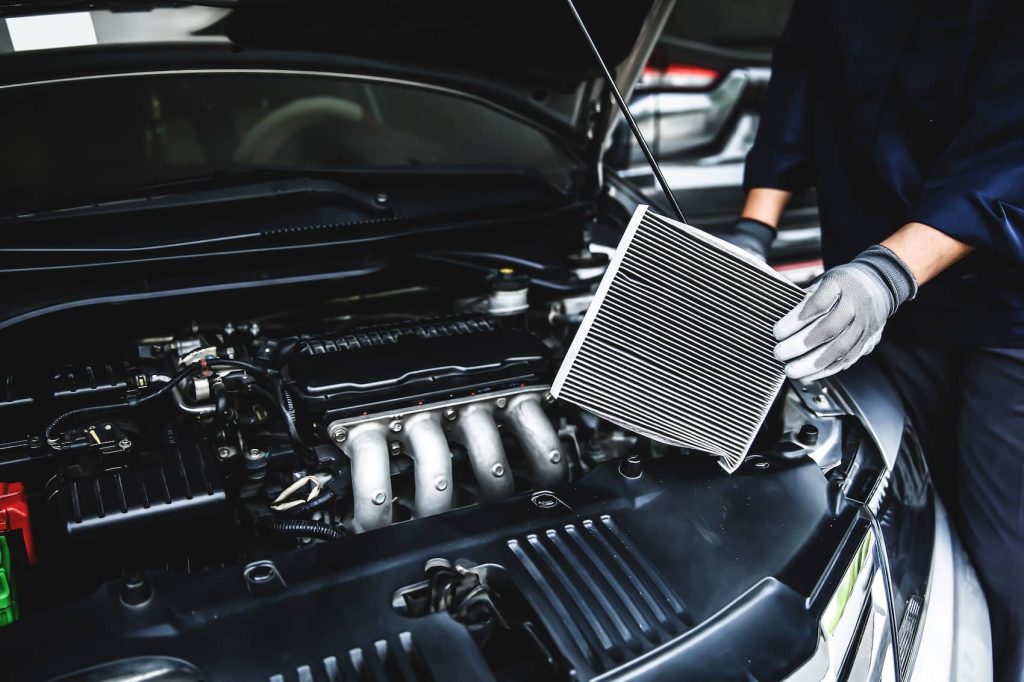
(379, 498)
(255, 454)
(441, 483)
(545, 500)
(124, 443)
(396, 427)
(395, 447)
(498, 470)
(451, 414)
(381, 199)
(549, 399)
(339, 434)
(224, 452)
(501, 403)
(555, 456)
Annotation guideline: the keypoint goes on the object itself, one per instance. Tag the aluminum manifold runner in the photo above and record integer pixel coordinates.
(678, 345)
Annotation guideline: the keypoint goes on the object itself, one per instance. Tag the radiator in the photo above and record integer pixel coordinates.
(677, 345)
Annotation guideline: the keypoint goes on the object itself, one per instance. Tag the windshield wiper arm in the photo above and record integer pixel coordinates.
(215, 188)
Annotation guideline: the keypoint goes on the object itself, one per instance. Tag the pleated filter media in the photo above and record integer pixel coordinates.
(677, 344)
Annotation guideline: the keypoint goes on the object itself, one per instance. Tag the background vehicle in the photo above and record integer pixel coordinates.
(290, 295)
(698, 104)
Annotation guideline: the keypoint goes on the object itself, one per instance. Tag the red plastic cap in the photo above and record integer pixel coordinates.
(14, 515)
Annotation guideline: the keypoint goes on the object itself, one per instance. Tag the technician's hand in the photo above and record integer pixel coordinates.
(752, 236)
(842, 317)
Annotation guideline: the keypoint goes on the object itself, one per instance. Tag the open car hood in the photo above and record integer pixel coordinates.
(527, 55)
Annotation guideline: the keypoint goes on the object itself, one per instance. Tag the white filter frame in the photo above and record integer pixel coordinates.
(720, 415)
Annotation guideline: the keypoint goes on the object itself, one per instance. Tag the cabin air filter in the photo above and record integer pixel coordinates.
(677, 344)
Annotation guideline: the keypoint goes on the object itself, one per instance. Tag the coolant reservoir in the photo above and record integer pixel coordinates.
(509, 293)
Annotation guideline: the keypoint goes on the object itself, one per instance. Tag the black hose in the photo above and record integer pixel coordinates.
(175, 380)
(126, 403)
(241, 364)
(306, 529)
(287, 405)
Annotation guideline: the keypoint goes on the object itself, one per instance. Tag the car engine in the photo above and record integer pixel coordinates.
(228, 442)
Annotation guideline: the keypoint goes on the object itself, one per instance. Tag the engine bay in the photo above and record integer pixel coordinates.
(227, 442)
(398, 453)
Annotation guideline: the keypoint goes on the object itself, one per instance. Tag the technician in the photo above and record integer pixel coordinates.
(908, 118)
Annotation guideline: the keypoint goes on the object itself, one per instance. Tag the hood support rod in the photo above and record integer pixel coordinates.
(624, 108)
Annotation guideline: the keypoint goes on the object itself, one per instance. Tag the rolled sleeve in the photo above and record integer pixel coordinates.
(975, 193)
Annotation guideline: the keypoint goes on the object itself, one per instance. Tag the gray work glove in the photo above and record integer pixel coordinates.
(842, 317)
(751, 235)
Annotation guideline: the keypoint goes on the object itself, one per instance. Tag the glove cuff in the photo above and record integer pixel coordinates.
(762, 233)
(894, 273)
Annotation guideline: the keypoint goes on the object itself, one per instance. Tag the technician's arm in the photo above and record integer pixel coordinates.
(779, 162)
(754, 231)
(844, 313)
(972, 198)
(925, 250)
(765, 205)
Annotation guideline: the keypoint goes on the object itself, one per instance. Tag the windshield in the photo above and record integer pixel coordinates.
(73, 141)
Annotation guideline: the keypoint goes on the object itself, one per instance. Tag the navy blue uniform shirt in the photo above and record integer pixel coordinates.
(904, 111)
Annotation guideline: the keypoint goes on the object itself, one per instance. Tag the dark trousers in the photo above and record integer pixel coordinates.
(968, 406)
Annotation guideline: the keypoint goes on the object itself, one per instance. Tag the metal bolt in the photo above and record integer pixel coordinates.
(436, 563)
(379, 498)
(255, 454)
(498, 470)
(396, 427)
(338, 434)
(632, 467)
(395, 446)
(224, 452)
(808, 435)
(450, 414)
(549, 399)
(820, 400)
(545, 500)
(555, 456)
(501, 403)
(381, 199)
(441, 483)
(108, 427)
(124, 444)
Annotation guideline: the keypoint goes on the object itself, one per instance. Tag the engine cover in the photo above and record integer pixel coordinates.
(375, 369)
(149, 507)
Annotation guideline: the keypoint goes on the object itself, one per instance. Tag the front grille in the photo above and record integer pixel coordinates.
(677, 345)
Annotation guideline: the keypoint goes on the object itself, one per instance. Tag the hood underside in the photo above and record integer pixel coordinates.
(529, 42)
(529, 53)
